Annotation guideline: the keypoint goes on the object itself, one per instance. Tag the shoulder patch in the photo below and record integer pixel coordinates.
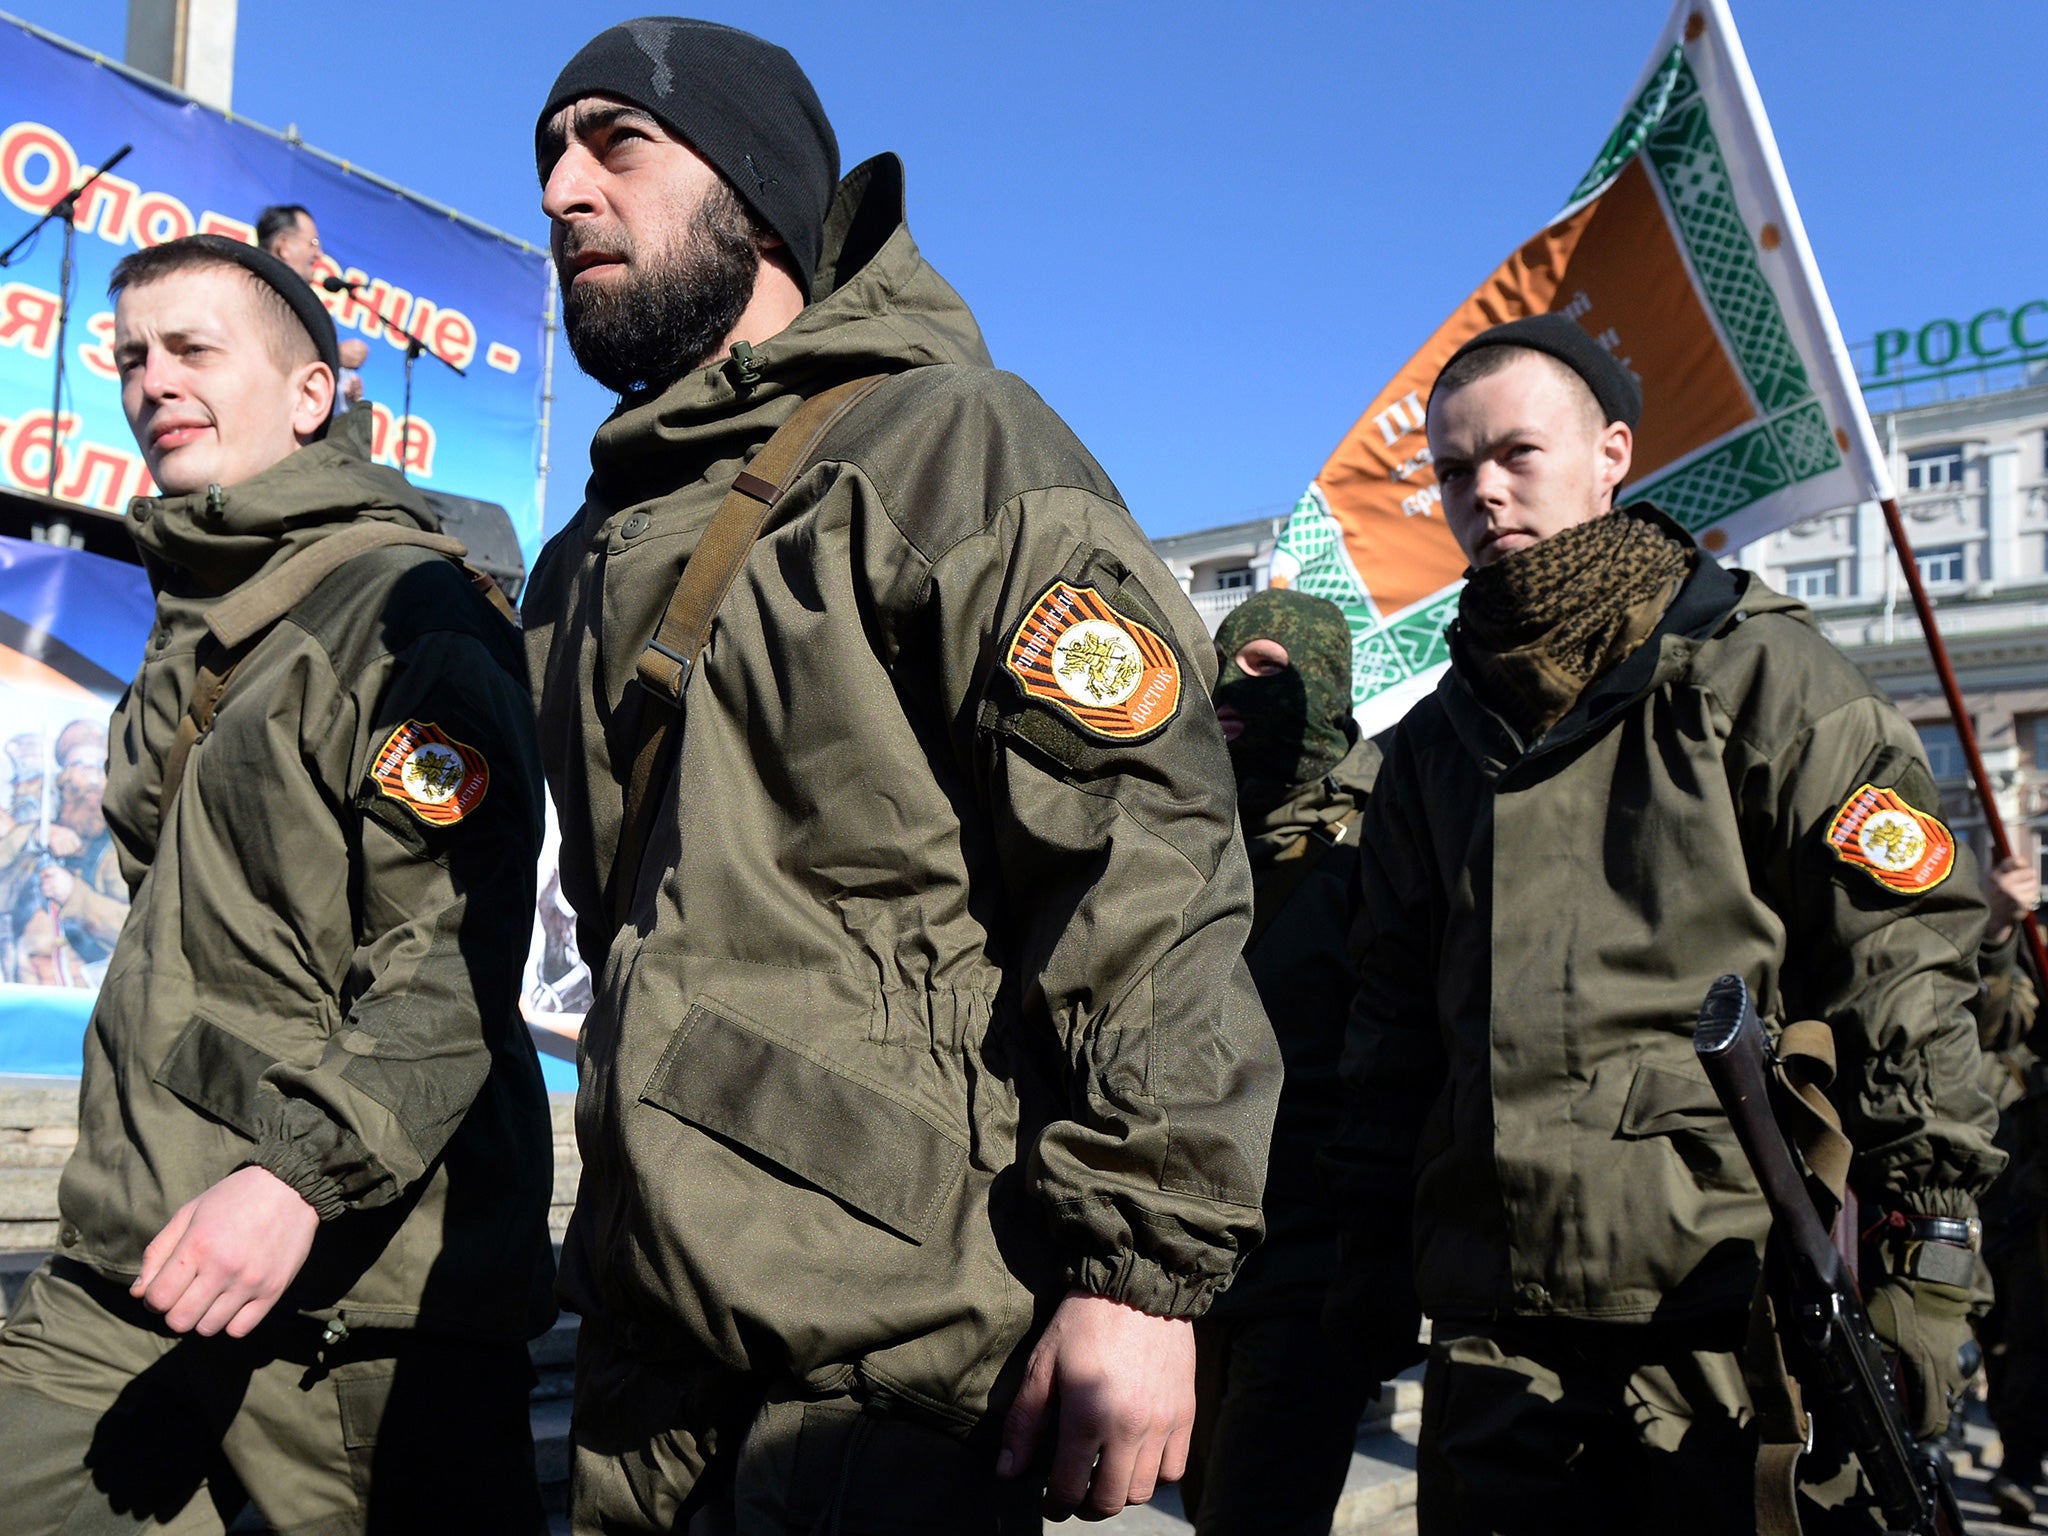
(1900, 847)
(1103, 671)
(430, 773)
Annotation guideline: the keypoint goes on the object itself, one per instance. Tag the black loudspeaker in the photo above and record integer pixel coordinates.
(486, 528)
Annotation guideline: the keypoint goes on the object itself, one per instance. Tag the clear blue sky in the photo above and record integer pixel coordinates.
(1208, 233)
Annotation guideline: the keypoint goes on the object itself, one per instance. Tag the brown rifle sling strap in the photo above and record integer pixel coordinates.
(207, 688)
(251, 609)
(685, 627)
(1806, 1066)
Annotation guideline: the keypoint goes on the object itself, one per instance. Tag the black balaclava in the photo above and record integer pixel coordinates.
(1297, 722)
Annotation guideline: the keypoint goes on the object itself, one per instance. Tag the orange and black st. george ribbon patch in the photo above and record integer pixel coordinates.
(1900, 847)
(1106, 673)
(430, 773)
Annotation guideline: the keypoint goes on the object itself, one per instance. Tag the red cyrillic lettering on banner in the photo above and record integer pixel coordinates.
(211, 223)
(394, 308)
(28, 451)
(388, 430)
(93, 460)
(22, 145)
(501, 357)
(421, 322)
(419, 447)
(107, 206)
(28, 319)
(98, 354)
(454, 337)
(356, 307)
(161, 218)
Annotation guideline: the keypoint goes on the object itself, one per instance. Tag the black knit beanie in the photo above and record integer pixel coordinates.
(742, 103)
(289, 286)
(1620, 396)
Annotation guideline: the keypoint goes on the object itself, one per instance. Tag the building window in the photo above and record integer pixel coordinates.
(1807, 582)
(2033, 731)
(1934, 469)
(1944, 750)
(1941, 567)
(1237, 579)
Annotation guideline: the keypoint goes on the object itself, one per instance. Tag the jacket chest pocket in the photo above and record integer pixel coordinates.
(217, 1072)
(1682, 1109)
(862, 1141)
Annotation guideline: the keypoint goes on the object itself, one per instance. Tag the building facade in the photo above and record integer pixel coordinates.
(1972, 473)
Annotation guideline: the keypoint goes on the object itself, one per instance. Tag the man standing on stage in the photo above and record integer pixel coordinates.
(288, 232)
(925, 1094)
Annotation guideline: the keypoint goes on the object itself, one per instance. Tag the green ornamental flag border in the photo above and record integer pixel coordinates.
(1670, 127)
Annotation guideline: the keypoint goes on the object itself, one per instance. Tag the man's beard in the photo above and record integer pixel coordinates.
(663, 320)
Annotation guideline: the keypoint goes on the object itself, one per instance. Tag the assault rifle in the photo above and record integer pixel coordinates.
(1825, 1333)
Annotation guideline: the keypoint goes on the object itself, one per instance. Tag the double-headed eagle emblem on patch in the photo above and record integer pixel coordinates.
(1900, 847)
(430, 773)
(1104, 672)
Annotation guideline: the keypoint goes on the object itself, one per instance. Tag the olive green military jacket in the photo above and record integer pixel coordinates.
(1301, 963)
(930, 1000)
(1539, 924)
(319, 972)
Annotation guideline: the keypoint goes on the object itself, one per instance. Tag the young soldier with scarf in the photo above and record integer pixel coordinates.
(1642, 771)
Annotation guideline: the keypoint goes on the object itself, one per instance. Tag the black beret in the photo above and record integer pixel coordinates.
(742, 103)
(1613, 386)
(292, 288)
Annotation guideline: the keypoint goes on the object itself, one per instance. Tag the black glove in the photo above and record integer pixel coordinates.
(1370, 1314)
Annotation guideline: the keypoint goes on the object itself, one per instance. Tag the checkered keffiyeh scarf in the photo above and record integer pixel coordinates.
(1537, 626)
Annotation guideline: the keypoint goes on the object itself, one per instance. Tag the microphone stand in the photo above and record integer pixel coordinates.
(414, 346)
(65, 208)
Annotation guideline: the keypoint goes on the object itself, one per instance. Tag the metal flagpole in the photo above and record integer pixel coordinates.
(1965, 732)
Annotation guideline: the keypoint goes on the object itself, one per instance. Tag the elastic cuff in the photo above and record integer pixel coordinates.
(1139, 1282)
(1996, 959)
(1950, 1201)
(289, 1163)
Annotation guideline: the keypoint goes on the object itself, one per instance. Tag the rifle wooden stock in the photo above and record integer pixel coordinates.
(1826, 1334)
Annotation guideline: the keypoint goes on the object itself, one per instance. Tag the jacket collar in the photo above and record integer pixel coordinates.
(209, 542)
(1711, 596)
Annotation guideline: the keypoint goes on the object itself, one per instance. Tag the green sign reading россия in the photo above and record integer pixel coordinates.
(1988, 339)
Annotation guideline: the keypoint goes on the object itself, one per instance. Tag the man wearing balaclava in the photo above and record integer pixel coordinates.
(1276, 1412)
(1643, 771)
(925, 1093)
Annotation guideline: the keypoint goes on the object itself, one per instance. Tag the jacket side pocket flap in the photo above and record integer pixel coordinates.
(1661, 1101)
(217, 1072)
(857, 1143)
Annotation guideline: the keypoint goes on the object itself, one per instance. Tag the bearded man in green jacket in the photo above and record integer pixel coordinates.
(1641, 772)
(304, 1234)
(925, 1095)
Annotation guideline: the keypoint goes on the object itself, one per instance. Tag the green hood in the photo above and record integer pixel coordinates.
(218, 538)
(879, 307)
